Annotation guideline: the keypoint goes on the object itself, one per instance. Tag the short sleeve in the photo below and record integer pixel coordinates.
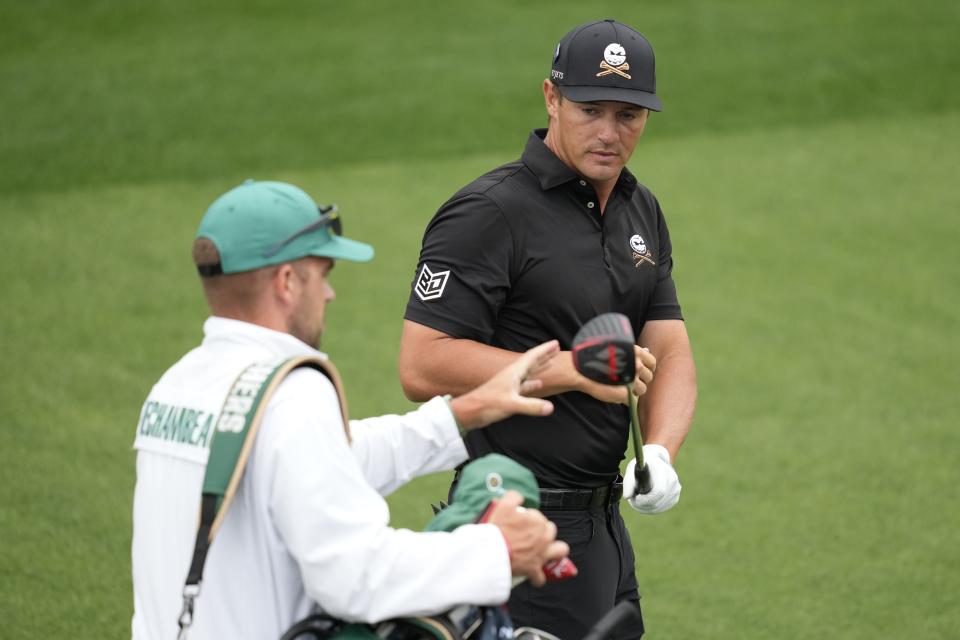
(664, 304)
(463, 276)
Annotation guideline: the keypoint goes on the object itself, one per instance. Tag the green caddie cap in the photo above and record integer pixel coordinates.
(261, 223)
(481, 481)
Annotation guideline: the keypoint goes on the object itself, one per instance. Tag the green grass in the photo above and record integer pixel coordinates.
(105, 92)
(807, 165)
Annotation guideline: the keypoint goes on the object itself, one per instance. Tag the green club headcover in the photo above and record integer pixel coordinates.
(481, 481)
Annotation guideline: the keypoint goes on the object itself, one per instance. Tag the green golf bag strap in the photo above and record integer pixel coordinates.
(230, 449)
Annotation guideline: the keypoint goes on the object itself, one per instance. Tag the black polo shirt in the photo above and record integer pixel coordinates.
(522, 255)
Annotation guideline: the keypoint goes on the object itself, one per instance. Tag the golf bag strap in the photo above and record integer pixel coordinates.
(230, 449)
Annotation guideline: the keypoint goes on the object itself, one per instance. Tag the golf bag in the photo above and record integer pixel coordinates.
(461, 623)
(464, 622)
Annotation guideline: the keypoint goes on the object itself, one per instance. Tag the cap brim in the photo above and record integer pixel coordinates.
(613, 94)
(340, 248)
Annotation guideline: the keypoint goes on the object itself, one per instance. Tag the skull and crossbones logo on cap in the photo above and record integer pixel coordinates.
(614, 61)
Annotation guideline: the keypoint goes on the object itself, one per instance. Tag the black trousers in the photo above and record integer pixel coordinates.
(600, 547)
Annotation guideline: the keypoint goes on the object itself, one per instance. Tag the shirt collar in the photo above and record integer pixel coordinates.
(549, 169)
(282, 345)
(552, 172)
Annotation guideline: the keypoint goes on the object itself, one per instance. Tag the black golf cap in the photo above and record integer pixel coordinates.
(606, 60)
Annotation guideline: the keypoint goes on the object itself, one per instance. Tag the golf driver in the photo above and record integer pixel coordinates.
(603, 352)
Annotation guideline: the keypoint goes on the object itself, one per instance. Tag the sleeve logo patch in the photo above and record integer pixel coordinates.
(430, 285)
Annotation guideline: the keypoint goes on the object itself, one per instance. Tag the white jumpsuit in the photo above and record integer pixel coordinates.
(308, 523)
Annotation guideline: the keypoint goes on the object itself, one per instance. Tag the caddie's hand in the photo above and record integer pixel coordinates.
(664, 482)
(504, 394)
(531, 538)
(646, 365)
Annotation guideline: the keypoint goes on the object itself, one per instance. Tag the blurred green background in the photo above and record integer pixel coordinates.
(808, 166)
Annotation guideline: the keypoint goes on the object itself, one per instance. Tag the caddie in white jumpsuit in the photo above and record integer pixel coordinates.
(308, 523)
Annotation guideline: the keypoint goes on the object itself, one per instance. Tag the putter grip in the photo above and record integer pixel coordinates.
(643, 479)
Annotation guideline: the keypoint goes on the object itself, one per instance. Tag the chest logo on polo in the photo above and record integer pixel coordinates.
(614, 61)
(641, 253)
(430, 285)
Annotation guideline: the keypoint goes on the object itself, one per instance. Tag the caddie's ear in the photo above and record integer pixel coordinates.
(285, 283)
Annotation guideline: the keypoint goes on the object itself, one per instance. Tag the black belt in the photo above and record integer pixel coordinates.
(581, 498)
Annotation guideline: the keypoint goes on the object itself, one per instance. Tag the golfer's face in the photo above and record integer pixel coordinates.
(596, 139)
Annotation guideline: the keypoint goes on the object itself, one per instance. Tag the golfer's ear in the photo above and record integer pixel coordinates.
(644, 117)
(551, 98)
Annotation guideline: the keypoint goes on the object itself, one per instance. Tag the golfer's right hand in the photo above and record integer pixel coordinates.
(531, 538)
(646, 364)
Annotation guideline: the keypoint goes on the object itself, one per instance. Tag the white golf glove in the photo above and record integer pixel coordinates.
(664, 482)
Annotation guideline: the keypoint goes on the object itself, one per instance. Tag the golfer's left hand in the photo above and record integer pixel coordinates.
(664, 482)
(646, 365)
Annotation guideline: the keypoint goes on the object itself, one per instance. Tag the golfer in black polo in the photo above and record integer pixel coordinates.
(529, 252)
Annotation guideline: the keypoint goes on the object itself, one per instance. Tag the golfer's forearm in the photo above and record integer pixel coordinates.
(666, 410)
(433, 363)
(449, 365)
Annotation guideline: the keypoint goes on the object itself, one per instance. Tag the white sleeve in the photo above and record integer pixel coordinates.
(394, 449)
(335, 524)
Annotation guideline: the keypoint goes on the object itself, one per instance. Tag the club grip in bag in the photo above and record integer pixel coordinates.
(642, 474)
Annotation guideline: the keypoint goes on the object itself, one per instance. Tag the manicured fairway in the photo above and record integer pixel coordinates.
(807, 165)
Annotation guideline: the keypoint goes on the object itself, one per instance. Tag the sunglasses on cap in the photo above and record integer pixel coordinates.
(329, 217)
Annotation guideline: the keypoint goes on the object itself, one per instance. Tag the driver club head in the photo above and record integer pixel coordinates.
(603, 350)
